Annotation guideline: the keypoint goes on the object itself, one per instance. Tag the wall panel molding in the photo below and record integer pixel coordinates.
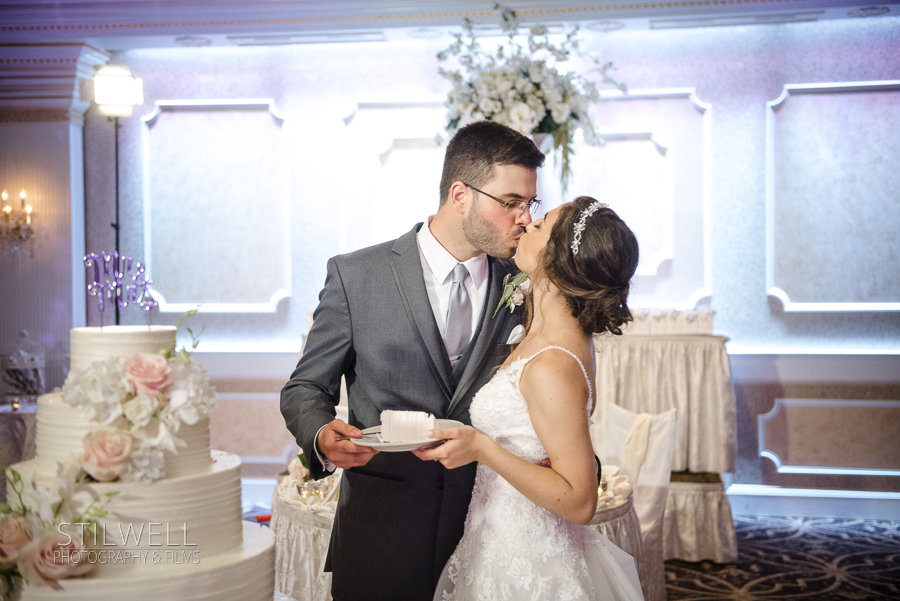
(819, 145)
(831, 437)
(245, 223)
(679, 275)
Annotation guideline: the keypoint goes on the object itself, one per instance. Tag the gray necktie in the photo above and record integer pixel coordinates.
(459, 314)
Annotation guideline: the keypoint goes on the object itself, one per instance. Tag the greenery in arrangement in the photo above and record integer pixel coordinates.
(523, 86)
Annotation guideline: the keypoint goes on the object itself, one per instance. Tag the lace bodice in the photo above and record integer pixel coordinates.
(500, 411)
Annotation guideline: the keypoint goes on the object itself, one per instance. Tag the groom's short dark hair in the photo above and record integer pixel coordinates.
(477, 147)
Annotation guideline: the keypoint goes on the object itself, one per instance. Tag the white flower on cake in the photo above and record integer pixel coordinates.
(99, 390)
(192, 395)
(406, 426)
(147, 464)
(139, 410)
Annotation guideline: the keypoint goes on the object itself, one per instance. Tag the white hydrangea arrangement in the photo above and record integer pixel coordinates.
(523, 87)
(140, 404)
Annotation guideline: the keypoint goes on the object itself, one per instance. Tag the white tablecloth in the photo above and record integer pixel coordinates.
(302, 535)
(691, 373)
(621, 526)
(698, 523)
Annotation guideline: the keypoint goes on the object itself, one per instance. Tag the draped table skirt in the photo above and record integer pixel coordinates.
(698, 523)
(690, 373)
(302, 535)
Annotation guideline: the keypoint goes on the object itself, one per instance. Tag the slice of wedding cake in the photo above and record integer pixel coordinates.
(124, 498)
(406, 426)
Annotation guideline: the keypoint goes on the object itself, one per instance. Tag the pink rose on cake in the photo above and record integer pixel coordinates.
(13, 536)
(107, 453)
(149, 373)
(51, 558)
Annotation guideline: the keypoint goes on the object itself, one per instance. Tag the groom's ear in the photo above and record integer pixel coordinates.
(458, 197)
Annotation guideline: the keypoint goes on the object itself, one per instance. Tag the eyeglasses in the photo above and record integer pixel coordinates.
(518, 206)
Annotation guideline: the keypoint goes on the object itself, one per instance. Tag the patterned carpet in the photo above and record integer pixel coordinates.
(814, 559)
(819, 559)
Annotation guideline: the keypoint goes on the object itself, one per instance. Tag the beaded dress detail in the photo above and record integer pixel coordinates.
(513, 549)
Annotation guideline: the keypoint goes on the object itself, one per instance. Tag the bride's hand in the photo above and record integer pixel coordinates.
(462, 445)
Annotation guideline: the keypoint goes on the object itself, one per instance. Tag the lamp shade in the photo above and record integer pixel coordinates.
(118, 90)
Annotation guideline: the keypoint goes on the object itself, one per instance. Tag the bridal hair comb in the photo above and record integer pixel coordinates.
(579, 227)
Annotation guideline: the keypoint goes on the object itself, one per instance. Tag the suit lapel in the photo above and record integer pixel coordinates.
(407, 269)
(487, 337)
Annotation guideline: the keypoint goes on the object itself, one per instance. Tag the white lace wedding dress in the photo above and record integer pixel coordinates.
(513, 549)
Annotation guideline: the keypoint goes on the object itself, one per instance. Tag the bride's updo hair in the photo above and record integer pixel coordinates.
(594, 282)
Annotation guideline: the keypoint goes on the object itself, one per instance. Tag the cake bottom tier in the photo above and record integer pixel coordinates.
(245, 574)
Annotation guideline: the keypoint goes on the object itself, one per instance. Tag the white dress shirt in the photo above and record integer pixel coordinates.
(437, 269)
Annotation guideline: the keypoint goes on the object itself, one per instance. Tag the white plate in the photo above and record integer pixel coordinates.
(370, 439)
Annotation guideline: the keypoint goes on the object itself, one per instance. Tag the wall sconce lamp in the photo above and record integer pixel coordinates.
(117, 91)
(16, 225)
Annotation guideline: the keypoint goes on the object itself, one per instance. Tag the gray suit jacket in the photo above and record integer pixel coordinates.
(398, 518)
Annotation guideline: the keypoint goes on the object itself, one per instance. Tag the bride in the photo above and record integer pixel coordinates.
(524, 534)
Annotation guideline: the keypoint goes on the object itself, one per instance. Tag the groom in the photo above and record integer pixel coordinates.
(409, 324)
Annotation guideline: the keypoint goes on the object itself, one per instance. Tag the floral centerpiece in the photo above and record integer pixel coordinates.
(523, 86)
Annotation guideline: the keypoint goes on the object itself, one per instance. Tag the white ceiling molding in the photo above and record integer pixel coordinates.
(146, 23)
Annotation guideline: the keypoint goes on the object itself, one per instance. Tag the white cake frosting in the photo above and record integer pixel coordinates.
(87, 345)
(198, 502)
(406, 426)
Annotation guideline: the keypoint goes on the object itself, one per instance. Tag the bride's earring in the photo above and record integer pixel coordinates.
(546, 285)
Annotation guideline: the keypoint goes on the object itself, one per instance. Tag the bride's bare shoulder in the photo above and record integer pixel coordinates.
(554, 374)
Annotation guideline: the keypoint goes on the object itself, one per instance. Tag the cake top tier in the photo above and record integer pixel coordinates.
(94, 344)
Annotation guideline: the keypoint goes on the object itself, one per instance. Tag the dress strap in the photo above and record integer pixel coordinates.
(580, 364)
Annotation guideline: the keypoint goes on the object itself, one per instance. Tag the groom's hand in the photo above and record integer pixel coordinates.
(343, 453)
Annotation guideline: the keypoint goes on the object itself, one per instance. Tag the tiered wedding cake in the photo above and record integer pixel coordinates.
(178, 536)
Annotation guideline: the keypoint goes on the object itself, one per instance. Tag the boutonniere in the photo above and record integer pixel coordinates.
(514, 289)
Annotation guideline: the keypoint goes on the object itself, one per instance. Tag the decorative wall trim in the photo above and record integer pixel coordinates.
(386, 141)
(148, 19)
(785, 468)
(165, 307)
(41, 115)
(772, 289)
(430, 101)
(704, 293)
(863, 366)
(43, 82)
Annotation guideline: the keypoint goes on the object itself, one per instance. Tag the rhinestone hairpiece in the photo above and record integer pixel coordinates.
(579, 227)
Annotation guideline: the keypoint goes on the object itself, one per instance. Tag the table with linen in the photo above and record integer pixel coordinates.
(652, 373)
